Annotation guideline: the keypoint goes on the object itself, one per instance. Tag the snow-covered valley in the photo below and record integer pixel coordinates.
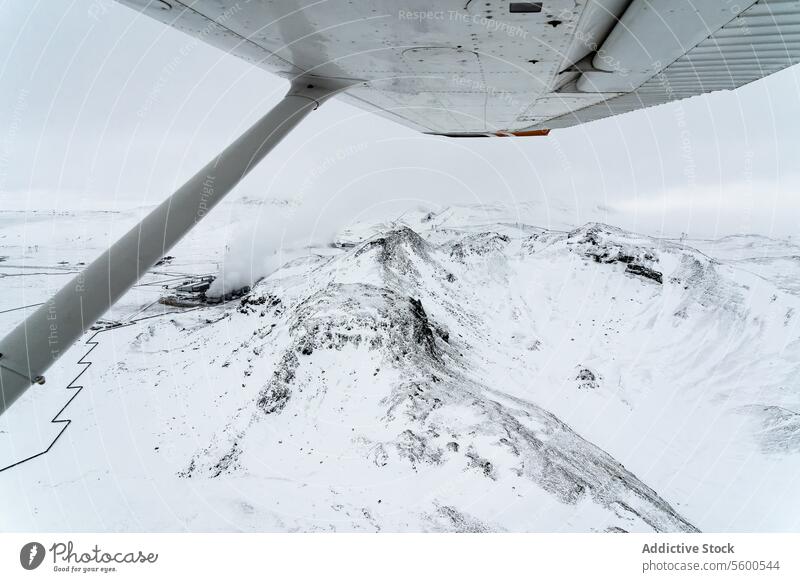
(461, 370)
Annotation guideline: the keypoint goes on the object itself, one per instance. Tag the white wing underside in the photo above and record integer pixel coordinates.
(474, 67)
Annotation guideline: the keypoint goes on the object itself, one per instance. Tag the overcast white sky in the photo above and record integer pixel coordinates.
(89, 112)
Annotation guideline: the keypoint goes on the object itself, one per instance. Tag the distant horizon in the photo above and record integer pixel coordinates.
(98, 111)
(279, 289)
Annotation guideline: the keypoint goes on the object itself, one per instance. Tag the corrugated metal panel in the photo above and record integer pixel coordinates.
(762, 40)
(457, 66)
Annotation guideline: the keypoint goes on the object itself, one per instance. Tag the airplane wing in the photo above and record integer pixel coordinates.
(461, 68)
(495, 67)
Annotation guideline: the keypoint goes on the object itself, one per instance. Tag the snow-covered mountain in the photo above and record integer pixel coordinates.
(451, 371)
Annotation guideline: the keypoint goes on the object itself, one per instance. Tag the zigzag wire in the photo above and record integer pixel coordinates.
(71, 386)
(65, 421)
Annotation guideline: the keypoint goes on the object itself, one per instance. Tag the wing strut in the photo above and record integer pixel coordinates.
(37, 342)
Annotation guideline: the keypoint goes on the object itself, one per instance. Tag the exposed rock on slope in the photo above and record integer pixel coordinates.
(448, 375)
(431, 413)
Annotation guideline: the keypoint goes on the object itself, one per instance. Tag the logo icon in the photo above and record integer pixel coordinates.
(31, 555)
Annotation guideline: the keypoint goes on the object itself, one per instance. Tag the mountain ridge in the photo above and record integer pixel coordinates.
(448, 375)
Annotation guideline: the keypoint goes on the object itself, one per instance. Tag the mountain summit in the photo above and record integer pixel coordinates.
(446, 373)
